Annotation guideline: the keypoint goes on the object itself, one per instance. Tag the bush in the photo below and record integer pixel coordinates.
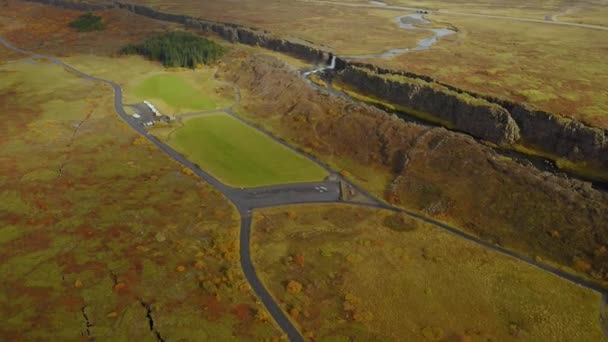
(177, 49)
(87, 22)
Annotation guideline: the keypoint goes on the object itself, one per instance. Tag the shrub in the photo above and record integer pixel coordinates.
(87, 22)
(177, 49)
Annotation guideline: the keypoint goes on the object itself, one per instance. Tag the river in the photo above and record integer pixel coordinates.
(409, 22)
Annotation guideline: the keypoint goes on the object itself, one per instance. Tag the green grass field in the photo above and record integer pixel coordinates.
(175, 91)
(240, 155)
(169, 90)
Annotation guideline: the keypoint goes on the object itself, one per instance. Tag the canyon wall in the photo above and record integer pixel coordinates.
(549, 133)
(496, 120)
(477, 117)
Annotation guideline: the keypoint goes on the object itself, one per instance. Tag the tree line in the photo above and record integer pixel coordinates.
(87, 22)
(177, 49)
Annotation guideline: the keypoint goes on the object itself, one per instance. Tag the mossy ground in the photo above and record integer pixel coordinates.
(96, 222)
(376, 275)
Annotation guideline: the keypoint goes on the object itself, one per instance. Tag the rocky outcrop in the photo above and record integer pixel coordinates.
(547, 132)
(477, 117)
(565, 137)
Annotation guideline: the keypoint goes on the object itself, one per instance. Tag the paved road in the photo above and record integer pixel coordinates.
(440, 11)
(247, 199)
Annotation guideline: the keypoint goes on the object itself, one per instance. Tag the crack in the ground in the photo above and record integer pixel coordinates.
(72, 138)
(114, 278)
(159, 338)
(88, 324)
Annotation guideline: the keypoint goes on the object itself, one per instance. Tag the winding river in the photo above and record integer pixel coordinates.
(409, 22)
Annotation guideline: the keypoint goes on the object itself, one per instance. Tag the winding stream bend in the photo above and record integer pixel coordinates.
(409, 22)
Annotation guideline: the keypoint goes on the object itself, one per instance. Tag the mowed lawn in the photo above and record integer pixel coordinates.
(239, 155)
(175, 91)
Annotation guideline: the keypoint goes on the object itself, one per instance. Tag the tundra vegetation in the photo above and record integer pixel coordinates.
(102, 235)
(349, 273)
(101, 230)
(123, 244)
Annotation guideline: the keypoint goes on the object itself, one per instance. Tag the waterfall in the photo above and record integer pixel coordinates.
(332, 65)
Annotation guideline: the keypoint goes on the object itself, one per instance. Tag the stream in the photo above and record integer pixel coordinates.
(409, 22)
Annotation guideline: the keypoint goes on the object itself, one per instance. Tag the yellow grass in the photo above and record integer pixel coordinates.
(376, 275)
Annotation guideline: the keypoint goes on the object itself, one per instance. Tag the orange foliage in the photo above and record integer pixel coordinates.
(294, 287)
(299, 260)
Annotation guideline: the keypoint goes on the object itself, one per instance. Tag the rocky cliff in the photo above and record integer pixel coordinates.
(505, 122)
(462, 112)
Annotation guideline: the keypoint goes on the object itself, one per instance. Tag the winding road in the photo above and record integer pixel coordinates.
(247, 199)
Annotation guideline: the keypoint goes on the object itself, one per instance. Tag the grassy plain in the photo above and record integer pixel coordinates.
(239, 155)
(101, 235)
(587, 12)
(181, 91)
(342, 29)
(38, 27)
(172, 91)
(97, 222)
(379, 276)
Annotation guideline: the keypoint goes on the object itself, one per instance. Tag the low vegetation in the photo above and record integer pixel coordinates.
(240, 155)
(352, 273)
(44, 28)
(101, 235)
(87, 22)
(336, 27)
(177, 49)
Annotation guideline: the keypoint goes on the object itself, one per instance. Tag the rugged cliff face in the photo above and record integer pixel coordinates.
(485, 117)
(463, 112)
